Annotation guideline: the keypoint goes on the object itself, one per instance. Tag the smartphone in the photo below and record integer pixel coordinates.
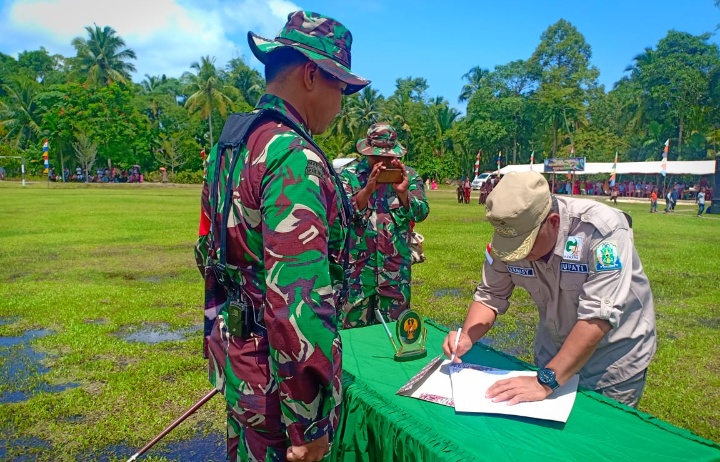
(390, 175)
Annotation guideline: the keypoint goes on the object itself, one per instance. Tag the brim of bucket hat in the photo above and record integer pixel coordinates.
(363, 147)
(514, 248)
(260, 47)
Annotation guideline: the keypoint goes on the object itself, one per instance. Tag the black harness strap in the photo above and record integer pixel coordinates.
(234, 136)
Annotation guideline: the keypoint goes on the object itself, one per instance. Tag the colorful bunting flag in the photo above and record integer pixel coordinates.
(612, 175)
(477, 163)
(532, 159)
(46, 157)
(663, 166)
(498, 160)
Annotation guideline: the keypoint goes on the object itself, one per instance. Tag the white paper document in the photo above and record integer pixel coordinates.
(431, 384)
(471, 381)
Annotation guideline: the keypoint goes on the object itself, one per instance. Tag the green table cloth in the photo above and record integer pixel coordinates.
(378, 425)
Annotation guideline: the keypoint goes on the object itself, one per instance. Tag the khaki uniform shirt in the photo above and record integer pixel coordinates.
(593, 273)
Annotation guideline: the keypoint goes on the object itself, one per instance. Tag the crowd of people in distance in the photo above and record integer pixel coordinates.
(107, 175)
(630, 188)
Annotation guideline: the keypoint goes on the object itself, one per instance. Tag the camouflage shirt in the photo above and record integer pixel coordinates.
(380, 252)
(284, 247)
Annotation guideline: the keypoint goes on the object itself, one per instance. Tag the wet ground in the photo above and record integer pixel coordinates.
(156, 333)
(21, 371)
(22, 376)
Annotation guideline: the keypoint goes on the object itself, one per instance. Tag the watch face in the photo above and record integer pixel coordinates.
(546, 376)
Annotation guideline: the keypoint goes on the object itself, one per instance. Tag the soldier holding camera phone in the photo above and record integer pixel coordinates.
(387, 198)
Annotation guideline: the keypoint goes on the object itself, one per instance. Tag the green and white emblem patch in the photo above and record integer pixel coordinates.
(607, 257)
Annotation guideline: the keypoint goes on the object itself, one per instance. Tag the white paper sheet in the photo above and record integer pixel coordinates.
(431, 384)
(470, 382)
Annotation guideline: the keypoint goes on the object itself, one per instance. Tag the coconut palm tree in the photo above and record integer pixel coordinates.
(443, 117)
(102, 58)
(249, 81)
(20, 118)
(368, 107)
(475, 77)
(208, 91)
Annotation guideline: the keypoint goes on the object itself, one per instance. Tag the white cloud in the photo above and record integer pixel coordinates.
(166, 35)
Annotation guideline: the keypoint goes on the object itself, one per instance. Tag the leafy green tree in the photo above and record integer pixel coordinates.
(172, 153)
(41, 66)
(106, 116)
(86, 151)
(676, 78)
(561, 65)
(102, 57)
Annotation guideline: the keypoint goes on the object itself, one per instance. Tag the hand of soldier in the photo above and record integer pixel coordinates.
(311, 452)
(463, 345)
(404, 185)
(372, 183)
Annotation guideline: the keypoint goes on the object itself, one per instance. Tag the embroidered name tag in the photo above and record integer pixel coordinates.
(315, 168)
(566, 267)
(520, 271)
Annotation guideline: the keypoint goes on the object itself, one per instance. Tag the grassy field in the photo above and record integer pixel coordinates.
(92, 264)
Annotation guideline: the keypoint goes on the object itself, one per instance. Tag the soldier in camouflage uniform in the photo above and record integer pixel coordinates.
(285, 243)
(383, 215)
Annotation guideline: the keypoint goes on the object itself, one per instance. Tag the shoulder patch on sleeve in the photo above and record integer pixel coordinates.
(488, 256)
(607, 257)
(315, 168)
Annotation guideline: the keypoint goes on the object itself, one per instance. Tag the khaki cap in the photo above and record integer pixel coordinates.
(516, 208)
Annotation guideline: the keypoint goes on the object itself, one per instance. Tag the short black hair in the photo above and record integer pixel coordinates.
(279, 61)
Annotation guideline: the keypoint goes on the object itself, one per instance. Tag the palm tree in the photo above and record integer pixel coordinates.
(368, 107)
(208, 91)
(20, 119)
(249, 81)
(443, 117)
(475, 77)
(102, 57)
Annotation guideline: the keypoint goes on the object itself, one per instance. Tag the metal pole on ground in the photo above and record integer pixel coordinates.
(177, 422)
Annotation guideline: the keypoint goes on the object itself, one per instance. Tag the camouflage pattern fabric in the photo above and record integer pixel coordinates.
(381, 140)
(323, 40)
(380, 257)
(284, 247)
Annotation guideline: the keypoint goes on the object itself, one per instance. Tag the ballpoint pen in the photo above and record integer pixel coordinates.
(457, 340)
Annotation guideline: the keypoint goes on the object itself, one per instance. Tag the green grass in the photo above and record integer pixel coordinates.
(91, 262)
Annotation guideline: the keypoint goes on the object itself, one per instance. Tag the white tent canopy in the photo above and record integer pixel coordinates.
(342, 162)
(675, 167)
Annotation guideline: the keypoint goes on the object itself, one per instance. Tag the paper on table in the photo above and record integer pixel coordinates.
(470, 382)
(431, 384)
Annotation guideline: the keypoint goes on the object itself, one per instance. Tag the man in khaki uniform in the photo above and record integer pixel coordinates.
(577, 259)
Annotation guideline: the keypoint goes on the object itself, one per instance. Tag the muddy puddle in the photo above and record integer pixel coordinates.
(446, 293)
(156, 333)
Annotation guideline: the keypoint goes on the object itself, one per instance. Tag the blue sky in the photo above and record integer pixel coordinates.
(439, 41)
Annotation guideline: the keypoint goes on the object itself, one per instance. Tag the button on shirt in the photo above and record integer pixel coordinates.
(593, 273)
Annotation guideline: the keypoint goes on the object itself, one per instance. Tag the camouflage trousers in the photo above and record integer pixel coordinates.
(360, 309)
(240, 369)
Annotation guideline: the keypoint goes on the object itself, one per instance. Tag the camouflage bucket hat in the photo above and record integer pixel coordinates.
(381, 141)
(323, 40)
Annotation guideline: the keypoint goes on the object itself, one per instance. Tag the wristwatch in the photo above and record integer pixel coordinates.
(547, 377)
